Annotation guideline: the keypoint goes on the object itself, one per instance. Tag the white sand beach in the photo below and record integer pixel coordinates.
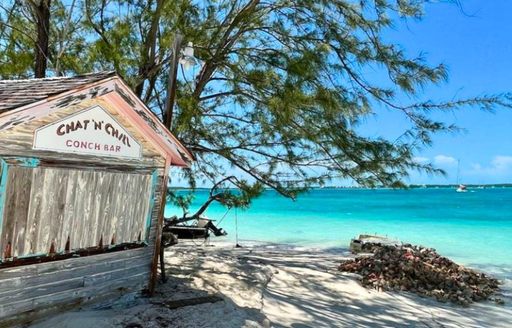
(277, 286)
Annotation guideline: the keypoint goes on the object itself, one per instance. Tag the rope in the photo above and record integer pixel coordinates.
(201, 243)
(236, 228)
(229, 209)
(218, 224)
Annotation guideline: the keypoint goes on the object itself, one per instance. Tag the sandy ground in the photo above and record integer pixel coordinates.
(277, 286)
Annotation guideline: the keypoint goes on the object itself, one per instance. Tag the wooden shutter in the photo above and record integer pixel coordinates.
(61, 209)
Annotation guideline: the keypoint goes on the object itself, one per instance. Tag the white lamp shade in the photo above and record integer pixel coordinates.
(189, 50)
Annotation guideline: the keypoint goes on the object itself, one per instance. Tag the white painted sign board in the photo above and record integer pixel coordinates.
(92, 131)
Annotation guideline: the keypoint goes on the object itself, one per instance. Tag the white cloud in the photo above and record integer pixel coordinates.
(502, 163)
(421, 160)
(443, 160)
(498, 167)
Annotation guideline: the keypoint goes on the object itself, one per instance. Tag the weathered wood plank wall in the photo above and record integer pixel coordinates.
(31, 291)
(60, 186)
(27, 290)
(51, 208)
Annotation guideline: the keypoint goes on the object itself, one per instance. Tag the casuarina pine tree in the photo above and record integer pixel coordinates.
(275, 93)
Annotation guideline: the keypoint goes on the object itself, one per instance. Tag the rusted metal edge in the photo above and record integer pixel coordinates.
(78, 253)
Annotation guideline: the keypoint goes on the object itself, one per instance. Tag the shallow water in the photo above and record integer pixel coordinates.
(473, 228)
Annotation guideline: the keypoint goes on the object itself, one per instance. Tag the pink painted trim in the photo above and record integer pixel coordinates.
(37, 106)
(139, 123)
(45, 107)
(156, 120)
(167, 147)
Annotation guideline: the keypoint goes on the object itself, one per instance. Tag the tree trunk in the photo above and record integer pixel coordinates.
(149, 51)
(203, 208)
(42, 14)
(172, 81)
(197, 214)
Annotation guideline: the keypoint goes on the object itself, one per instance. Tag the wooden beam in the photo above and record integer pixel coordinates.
(158, 237)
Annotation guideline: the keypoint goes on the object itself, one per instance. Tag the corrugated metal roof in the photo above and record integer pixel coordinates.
(16, 93)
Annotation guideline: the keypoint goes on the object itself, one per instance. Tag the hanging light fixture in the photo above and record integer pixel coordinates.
(187, 59)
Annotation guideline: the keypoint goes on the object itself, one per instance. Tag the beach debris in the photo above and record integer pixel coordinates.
(419, 270)
(133, 325)
(175, 304)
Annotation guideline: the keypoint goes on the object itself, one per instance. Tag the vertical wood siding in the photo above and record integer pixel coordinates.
(32, 291)
(46, 207)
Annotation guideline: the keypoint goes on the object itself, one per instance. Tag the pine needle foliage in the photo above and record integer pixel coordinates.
(280, 87)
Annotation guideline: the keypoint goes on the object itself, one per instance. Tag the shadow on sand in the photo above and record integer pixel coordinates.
(275, 286)
(298, 288)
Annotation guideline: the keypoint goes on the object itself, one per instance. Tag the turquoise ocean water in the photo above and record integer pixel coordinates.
(473, 228)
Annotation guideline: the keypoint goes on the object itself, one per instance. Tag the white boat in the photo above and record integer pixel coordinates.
(462, 188)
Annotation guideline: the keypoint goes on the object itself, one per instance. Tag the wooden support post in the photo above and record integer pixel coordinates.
(158, 237)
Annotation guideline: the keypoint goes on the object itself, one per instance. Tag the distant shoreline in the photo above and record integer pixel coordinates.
(412, 186)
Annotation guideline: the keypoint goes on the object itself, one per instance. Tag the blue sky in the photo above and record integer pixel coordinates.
(476, 45)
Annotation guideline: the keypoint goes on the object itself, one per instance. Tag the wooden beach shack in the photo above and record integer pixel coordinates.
(83, 171)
